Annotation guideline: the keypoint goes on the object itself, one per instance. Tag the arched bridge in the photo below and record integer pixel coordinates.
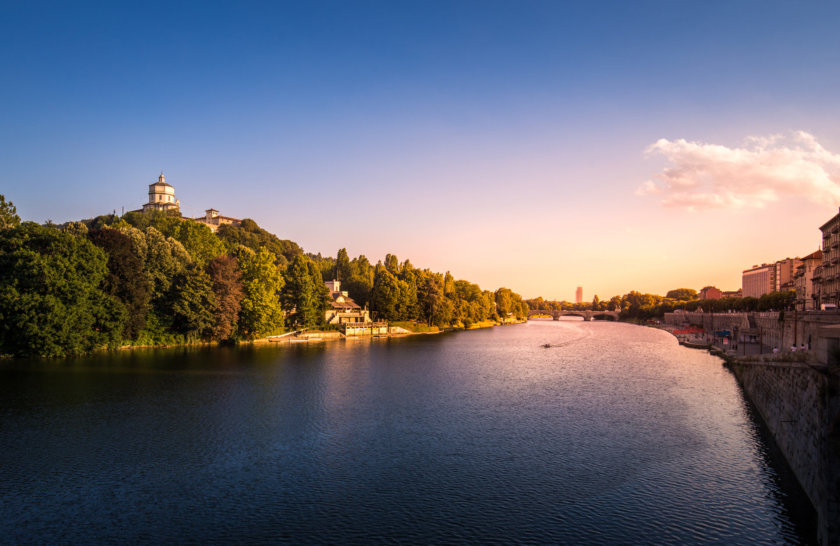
(586, 315)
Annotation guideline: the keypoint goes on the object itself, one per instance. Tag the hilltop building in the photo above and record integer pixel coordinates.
(161, 196)
(213, 220)
(342, 307)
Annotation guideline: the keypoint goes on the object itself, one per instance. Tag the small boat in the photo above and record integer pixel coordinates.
(547, 345)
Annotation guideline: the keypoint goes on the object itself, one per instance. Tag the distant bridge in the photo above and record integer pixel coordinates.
(585, 315)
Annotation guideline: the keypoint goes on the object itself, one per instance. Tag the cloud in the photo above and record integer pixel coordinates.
(763, 171)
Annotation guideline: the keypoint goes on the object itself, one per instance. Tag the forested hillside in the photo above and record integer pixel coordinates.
(156, 278)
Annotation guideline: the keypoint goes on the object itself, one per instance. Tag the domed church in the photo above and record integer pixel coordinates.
(161, 196)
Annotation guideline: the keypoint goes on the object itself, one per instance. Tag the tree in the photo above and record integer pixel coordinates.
(392, 264)
(199, 241)
(125, 279)
(261, 313)
(250, 235)
(192, 304)
(305, 294)
(361, 281)
(430, 298)
(165, 258)
(596, 303)
(226, 283)
(343, 271)
(8, 214)
(385, 294)
(682, 294)
(50, 299)
(448, 285)
(504, 302)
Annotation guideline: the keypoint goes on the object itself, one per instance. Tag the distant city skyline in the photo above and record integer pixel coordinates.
(537, 145)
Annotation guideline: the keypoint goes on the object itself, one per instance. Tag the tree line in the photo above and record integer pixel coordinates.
(638, 306)
(158, 279)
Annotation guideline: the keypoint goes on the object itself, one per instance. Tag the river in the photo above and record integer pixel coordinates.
(613, 435)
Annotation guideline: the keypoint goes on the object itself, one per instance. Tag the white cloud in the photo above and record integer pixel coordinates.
(764, 170)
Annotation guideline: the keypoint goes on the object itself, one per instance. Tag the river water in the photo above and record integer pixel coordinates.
(613, 435)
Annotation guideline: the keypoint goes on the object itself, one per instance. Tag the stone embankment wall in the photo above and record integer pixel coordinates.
(709, 321)
(800, 405)
(798, 401)
(772, 330)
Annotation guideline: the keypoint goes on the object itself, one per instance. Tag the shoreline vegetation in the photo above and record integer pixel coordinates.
(156, 279)
(314, 336)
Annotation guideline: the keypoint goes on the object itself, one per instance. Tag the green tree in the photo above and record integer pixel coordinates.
(192, 304)
(8, 214)
(51, 303)
(504, 302)
(165, 258)
(125, 279)
(343, 270)
(682, 294)
(199, 241)
(261, 314)
(430, 298)
(392, 264)
(250, 235)
(305, 294)
(361, 280)
(448, 285)
(385, 294)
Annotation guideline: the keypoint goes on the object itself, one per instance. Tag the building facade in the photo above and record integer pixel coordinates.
(343, 309)
(759, 280)
(827, 276)
(709, 293)
(765, 278)
(804, 281)
(214, 220)
(579, 295)
(785, 273)
(161, 197)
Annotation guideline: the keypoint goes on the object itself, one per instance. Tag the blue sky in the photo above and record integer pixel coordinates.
(505, 141)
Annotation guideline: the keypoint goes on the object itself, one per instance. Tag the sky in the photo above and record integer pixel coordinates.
(540, 146)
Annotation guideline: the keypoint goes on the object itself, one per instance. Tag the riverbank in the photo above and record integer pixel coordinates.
(798, 400)
(394, 330)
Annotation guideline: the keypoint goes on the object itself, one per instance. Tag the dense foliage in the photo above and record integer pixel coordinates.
(53, 298)
(156, 278)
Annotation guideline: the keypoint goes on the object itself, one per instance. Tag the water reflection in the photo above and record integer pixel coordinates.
(614, 434)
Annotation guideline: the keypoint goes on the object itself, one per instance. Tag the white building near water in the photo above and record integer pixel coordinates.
(342, 307)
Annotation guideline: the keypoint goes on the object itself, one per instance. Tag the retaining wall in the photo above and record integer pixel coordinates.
(801, 407)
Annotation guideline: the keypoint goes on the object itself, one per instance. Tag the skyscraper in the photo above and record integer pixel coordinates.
(579, 294)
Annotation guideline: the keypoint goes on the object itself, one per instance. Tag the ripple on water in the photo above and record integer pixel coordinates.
(615, 434)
